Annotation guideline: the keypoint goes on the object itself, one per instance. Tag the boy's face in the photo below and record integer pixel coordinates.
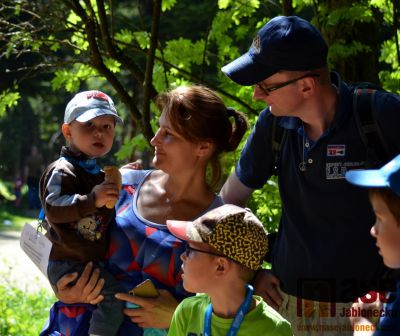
(198, 267)
(93, 138)
(386, 230)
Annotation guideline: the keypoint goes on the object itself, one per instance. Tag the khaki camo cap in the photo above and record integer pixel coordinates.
(233, 231)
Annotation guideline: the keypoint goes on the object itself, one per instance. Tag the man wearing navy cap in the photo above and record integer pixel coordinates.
(323, 258)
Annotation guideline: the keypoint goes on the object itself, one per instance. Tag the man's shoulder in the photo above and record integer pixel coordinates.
(385, 98)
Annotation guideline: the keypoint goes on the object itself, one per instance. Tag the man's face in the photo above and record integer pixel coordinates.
(282, 92)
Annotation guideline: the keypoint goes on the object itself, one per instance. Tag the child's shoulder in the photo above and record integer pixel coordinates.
(272, 320)
(198, 301)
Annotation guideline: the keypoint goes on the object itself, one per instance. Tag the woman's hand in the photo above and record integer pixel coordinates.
(137, 165)
(86, 289)
(154, 312)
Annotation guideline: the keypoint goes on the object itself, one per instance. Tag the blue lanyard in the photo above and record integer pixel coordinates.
(237, 321)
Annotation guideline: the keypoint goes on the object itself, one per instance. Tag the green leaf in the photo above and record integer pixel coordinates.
(184, 52)
(143, 38)
(70, 79)
(223, 4)
(8, 99)
(113, 65)
(138, 143)
(167, 5)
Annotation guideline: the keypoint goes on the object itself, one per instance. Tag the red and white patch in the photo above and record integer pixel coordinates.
(336, 150)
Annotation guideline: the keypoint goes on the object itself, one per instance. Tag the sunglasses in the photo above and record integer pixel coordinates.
(190, 249)
(268, 90)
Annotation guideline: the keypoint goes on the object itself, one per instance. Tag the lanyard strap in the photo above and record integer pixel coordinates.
(237, 321)
(89, 166)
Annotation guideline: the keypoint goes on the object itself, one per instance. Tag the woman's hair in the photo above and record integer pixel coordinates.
(390, 198)
(197, 113)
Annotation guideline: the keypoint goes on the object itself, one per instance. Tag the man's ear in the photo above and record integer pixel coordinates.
(66, 131)
(308, 86)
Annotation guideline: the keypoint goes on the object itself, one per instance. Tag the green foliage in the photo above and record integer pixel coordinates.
(71, 78)
(137, 143)
(184, 52)
(8, 99)
(356, 12)
(342, 49)
(266, 204)
(21, 312)
(167, 4)
(5, 192)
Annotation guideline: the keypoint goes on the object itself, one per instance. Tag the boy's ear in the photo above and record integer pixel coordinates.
(66, 131)
(223, 266)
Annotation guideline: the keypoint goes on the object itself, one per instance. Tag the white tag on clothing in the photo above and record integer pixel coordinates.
(37, 247)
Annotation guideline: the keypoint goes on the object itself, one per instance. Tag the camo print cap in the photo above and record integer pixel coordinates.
(233, 231)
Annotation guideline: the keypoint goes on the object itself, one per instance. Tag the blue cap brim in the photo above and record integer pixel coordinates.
(367, 178)
(388, 176)
(93, 113)
(246, 71)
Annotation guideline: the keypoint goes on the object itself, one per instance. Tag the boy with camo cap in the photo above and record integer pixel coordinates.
(225, 247)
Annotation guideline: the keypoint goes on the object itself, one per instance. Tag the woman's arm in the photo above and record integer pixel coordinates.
(153, 313)
(86, 289)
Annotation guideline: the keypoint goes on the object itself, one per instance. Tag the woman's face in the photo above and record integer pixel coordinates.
(386, 230)
(172, 152)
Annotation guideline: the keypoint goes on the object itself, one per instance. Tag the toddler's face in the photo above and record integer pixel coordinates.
(94, 137)
(386, 230)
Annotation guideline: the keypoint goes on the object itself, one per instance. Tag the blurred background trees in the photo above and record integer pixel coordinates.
(136, 49)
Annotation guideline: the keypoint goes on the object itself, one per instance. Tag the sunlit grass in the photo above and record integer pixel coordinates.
(22, 312)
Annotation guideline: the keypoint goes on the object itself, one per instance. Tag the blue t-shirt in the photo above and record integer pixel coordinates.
(323, 250)
(140, 249)
(389, 323)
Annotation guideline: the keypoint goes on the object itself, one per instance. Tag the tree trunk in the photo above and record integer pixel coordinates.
(358, 65)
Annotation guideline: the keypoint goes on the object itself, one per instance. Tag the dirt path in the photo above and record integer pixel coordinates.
(15, 265)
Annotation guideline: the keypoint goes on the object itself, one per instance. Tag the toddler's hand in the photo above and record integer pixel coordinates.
(104, 193)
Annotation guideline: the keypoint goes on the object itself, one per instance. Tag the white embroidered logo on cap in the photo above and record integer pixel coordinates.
(256, 45)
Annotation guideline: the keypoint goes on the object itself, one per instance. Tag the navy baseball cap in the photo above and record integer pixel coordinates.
(388, 176)
(284, 43)
(87, 105)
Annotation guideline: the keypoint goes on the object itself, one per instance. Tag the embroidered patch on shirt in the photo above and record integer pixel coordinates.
(336, 150)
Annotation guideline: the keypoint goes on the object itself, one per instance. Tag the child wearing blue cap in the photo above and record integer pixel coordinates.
(75, 198)
(384, 194)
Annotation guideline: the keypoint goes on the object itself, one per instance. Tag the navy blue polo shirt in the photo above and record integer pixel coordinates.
(324, 250)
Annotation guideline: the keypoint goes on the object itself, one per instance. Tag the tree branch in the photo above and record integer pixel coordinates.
(97, 62)
(148, 79)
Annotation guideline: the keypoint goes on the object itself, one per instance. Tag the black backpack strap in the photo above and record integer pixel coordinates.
(278, 139)
(369, 130)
